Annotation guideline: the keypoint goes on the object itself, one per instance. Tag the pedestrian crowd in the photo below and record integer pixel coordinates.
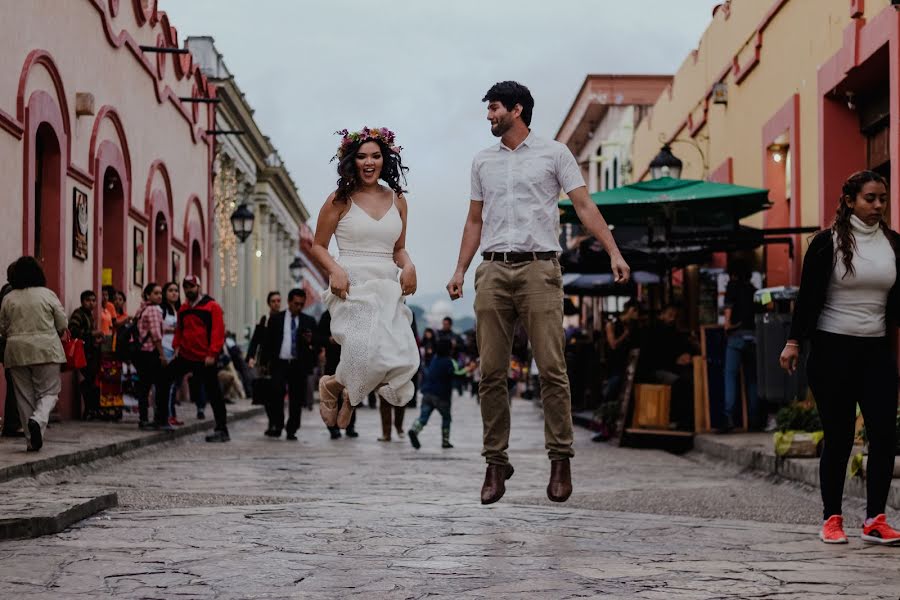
(166, 350)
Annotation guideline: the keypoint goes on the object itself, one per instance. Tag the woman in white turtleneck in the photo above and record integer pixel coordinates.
(848, 303)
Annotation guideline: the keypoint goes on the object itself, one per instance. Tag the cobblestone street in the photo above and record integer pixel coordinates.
(318, 518)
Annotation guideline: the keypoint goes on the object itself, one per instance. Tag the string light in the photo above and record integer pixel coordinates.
(225, 189)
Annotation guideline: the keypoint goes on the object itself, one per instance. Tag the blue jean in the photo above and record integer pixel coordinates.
(430, 404)
(741, 350)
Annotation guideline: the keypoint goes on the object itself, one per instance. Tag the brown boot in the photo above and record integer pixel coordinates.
(495, 482)
(560, 487)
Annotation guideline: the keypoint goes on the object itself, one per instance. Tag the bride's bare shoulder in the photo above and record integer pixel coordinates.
(334, 207)
(401, 203)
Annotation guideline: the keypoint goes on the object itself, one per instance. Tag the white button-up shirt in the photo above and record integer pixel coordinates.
(520, 190)
(285, 353)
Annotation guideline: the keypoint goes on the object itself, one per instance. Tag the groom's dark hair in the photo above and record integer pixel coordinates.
(510, 93)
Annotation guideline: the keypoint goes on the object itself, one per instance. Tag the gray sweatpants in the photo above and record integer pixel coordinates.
(37, 390)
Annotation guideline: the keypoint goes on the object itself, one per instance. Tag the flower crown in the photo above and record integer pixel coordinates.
(348, 138)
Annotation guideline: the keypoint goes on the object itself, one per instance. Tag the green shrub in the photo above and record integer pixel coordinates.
(798, 417)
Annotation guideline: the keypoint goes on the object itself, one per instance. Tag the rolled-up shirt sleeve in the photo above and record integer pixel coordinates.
(568, 173)
(476, 194)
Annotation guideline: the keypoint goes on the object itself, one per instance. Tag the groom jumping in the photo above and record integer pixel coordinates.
(513, 215)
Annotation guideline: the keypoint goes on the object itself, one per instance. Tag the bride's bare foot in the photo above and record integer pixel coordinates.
(329, 389)
(346, 412)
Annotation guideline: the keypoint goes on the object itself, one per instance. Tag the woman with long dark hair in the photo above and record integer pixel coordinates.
(849, 299)
(171, 302)
(32, 320)
(369, 318)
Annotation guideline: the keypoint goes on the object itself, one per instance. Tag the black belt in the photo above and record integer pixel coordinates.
(514, 257)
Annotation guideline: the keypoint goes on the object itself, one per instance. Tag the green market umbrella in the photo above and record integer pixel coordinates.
(674, 202)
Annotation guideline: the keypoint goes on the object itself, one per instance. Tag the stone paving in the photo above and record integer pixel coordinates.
(262, 518)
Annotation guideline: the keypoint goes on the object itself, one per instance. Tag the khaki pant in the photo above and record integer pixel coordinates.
(531, 292)
(37, 390)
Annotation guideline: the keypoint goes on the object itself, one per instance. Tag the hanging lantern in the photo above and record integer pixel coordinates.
(242, 222)
(296, 269)
(665, 164)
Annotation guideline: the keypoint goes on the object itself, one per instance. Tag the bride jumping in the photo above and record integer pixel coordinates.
(367, 283)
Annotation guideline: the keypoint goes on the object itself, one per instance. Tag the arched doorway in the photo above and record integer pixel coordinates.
(47, 222)
(196, 259)
(113, 223)
(161, 249)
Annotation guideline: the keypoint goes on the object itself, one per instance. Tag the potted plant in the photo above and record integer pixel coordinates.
(799, 430)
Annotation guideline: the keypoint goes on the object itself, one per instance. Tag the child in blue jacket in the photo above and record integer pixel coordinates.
(437, 389)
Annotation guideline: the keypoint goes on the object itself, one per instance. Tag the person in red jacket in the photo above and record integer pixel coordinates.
(199, 337)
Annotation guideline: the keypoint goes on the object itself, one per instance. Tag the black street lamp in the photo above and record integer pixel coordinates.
(296, 269)
(665, 164)
(242, 222)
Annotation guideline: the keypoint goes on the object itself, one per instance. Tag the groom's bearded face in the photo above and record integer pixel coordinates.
(500, 118)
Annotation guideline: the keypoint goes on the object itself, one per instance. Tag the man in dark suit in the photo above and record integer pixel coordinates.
(290, 352)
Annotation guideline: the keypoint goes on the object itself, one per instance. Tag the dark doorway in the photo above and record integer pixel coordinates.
(47, 205)
(113, 224)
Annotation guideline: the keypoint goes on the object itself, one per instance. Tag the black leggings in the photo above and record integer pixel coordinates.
(845, 371)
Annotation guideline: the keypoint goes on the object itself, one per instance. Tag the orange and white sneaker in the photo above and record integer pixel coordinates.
(833, 530)
(879, 532)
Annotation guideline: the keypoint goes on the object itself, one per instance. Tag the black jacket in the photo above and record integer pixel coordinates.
(259, 334)
(307, 353)
(818, 265)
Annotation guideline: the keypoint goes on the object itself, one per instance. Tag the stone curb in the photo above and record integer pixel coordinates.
(803, 470)
(85, 456)
(38, 525)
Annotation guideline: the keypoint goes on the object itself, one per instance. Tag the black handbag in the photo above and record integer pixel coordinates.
(262, 390)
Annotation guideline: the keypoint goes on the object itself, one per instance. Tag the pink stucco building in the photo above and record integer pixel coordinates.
(104, 158)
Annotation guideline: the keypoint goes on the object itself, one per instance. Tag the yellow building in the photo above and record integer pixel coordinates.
(790, 95)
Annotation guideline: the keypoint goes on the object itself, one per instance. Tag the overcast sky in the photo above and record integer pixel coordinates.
(421, 67)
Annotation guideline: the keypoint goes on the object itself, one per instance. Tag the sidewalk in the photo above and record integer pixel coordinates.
(76, 442)
(27, 514)
(756, 451)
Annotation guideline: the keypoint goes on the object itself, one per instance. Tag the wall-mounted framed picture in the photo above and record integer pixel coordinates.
(138, 257)
(176, 266)
(80, 222)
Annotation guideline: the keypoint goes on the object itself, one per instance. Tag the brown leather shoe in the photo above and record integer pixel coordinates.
(495, 482)
(560, 487)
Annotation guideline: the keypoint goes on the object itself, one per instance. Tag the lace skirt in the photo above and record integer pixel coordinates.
(373, 325)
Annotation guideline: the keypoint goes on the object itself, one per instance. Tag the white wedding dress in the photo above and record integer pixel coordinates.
(373, 325)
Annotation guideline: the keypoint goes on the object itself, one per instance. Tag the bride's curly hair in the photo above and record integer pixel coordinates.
(392, 171)
(846, 242)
